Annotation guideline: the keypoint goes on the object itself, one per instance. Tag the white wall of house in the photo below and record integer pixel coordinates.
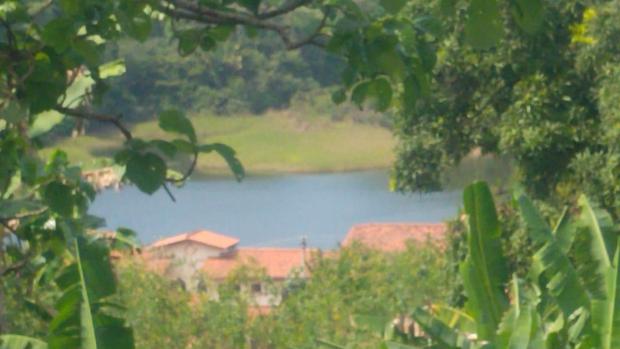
(187, 258)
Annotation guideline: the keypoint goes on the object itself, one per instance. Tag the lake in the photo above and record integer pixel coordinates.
(273, 210)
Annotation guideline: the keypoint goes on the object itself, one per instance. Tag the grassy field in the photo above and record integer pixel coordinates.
(274, 143)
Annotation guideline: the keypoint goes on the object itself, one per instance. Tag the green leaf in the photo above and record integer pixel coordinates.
(528, 14)
(44, 122)
(46, 83)
(112, 68)
(81, 320)
(483, 28)
(166, 148)
(606, 312)
(72, 7)
(58, 33)
(189, 41)
(207, 43)
(358, 95)
(393, 6)
(441, 333)
(89, 50)
(484, 271)
(427, 54)
(429, 24)
(379, 89)
(184, 146)
(176, 122)
(411, 93)
(13, 341)
(382, 91)
(598, 268)
(125, 239)
(602, 232)
(60, 198)
(515, 329)
(221, 32)
(564, 232)
(228, 154)
(384, 57)
(552, 262)
(339, 96)
(146, 171)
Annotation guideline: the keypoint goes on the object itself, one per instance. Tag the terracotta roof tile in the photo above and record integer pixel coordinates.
(392, 237)
(278, 263)
(201, 236)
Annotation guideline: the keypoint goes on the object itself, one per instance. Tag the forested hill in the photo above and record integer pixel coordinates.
(238, 72)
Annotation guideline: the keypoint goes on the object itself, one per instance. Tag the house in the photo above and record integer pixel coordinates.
(393, 237)
(184, 254)
(277, 264)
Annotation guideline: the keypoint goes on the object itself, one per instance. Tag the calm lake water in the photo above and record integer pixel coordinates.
(274, 210)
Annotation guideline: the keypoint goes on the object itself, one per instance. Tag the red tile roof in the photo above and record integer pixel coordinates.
(205, 237)
(392, 237)
(278, 263)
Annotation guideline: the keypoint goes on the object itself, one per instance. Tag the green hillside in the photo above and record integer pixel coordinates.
(274, 143)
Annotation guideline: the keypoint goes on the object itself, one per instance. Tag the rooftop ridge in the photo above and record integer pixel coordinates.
(220, 240)
(276, 248)
(400, 223)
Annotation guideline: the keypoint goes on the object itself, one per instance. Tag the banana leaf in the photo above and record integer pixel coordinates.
(484, 271)
(82, 320)
(552, 263)
(12, 341)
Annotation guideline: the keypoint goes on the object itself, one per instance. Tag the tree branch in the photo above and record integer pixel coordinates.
(114, 120)
(165, 185)
(189, 171)
(182, 9)
(286, 8)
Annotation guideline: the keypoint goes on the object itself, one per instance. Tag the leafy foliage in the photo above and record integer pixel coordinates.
(537, 96)
(83, 311)
(568, 300)
(525, 99)
(357, 285)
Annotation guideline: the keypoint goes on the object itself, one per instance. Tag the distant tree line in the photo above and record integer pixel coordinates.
(247, 73)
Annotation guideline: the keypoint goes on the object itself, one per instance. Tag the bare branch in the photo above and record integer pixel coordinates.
(114, 120)
(165, 185)
(11, 222)
(182, 9)
(286, 8)
(311, 39)
(217, 16)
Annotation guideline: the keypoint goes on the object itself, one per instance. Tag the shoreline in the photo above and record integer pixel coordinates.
(225, 173)
(109, 177)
